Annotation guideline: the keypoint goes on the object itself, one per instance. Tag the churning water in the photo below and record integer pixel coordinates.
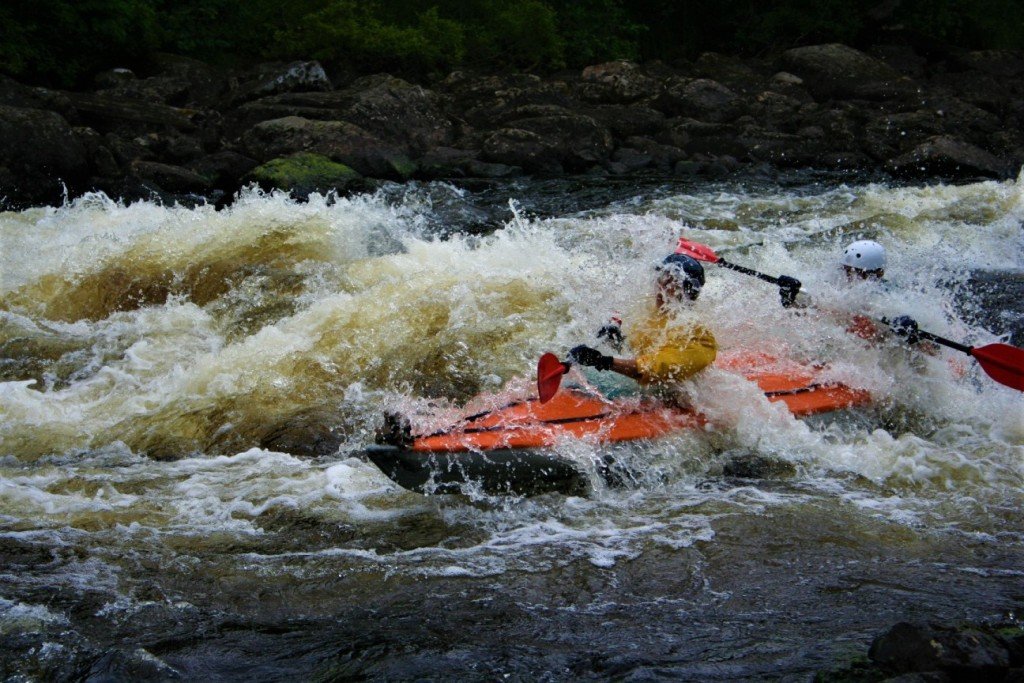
(184, 394)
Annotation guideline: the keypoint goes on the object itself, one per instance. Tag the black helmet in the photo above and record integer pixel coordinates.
(685, 270)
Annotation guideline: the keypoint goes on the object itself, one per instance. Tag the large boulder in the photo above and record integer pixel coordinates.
(523, 148)
(617, 82)
(110, 112)
(701, 99)
(225, 169)
(837, 71)
(482, 100)
(893, 134)
(627, 120)
(169, 177)
(273, 78)
(947, 156)
(339, 141)
(571, 141)
(303, 174)
(39, 156)
(399, 112)
(407, 116)
(178, 81)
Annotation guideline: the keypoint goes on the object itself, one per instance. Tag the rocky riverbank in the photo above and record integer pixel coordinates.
(190, 131)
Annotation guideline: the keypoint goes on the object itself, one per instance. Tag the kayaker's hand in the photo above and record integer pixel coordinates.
(789, 287)
(906, 327)
(584, 355)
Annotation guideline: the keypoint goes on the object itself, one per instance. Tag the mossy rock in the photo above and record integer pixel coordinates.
(305, 173)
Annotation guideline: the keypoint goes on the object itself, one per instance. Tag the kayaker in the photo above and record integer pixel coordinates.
(668, 347)
(863, 260)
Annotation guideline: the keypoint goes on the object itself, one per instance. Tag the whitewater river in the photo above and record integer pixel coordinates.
(185, 392)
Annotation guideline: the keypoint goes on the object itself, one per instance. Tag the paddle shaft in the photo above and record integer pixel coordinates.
(945, 342)
(747, 271)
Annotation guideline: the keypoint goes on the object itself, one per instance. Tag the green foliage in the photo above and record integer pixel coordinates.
(597, 31)
(803, 22)
(65, 42)
(353, 31)
(59, 41)
(978, 24)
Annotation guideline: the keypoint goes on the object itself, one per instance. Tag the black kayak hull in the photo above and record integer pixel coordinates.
(513, 471)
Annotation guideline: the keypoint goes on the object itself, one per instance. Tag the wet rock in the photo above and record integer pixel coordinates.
(753, 466)
(549, 143)
(304, 173)
(273, 78)
(483, 169)
(112, 78)
(339, 141)
(517, 147)
(625, 121)
(481, 101)
(701, 99)
(446, 162)
(835, 71)
(662, 157)
(616, 83)
(39, 156)
(101, 160)
(310, 433)
(168, 177)
(908, 647)
(893, 134)
(184, 82)
(627, 159)
(14, 94)
(946, 156)
(224, 169)
(399, 112)
(105, 112)
(776, 109)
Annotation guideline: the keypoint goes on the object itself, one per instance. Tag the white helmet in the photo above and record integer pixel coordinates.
(864, 255)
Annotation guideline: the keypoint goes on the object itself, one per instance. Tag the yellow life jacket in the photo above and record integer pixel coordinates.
(668, 349)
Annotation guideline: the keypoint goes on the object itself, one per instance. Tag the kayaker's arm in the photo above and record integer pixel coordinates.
(627, 367)
(584, 355)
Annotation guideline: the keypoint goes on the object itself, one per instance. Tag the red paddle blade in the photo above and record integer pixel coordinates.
(701, 252)
(549, 376)
(1003, 363)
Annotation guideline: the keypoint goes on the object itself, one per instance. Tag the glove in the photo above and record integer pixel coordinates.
(906, 327)
(584, 355)
(789, 287)
(613, 333)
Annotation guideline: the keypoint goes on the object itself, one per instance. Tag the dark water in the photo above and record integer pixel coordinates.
(185, 393)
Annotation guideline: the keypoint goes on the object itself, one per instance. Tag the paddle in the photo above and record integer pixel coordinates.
(1002, 362)
(702, 252)
(549, 375)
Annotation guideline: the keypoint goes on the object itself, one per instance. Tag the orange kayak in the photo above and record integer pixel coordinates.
(507, 450)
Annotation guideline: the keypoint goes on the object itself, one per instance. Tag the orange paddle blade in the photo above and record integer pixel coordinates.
(701, 252)
(549, 376)
(1003, 363)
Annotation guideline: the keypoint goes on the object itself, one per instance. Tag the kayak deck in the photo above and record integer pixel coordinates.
(508, 449)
